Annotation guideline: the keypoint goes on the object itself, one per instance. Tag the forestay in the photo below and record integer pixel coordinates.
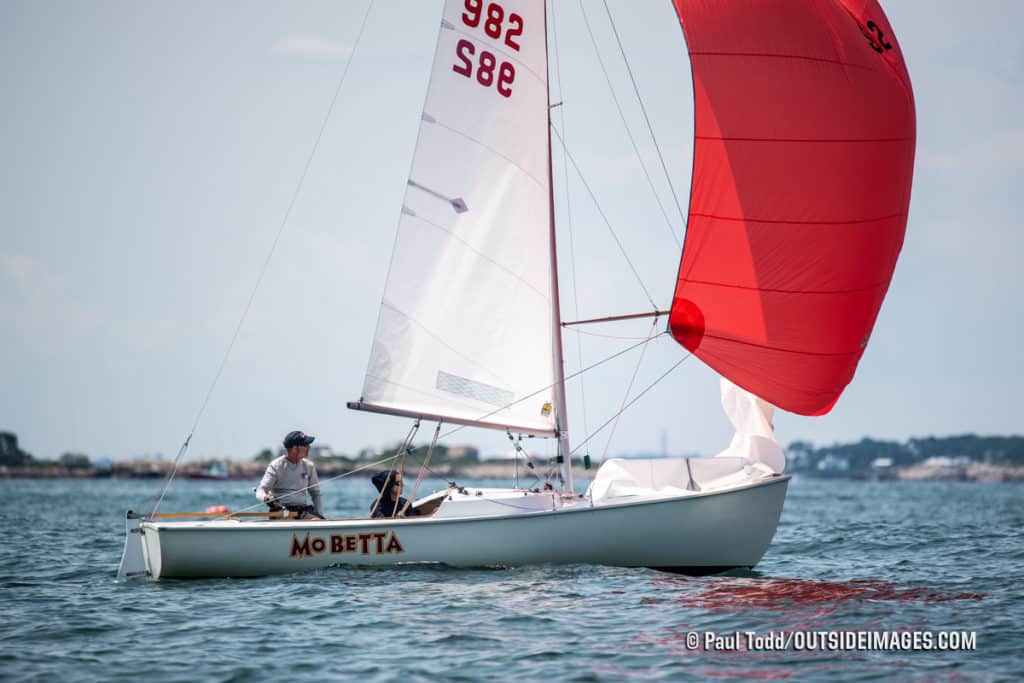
(465, 327)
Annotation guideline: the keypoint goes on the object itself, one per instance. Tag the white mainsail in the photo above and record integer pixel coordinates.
(465, 329)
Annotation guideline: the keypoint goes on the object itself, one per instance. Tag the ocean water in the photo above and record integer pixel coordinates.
(884, 557)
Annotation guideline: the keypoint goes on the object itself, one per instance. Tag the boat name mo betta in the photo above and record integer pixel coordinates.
(364, 544)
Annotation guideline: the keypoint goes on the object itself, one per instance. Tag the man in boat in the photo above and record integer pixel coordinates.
(288, 479)
(389, 501)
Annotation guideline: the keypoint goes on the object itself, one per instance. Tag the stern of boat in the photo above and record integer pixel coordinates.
(133, 562)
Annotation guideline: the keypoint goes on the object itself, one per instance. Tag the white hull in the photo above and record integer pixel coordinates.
(699, 532)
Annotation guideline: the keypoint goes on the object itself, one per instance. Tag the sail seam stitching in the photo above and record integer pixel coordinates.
(437, 338)
(483, 256)
(494, 46)
(767, 55)
(746, 219)
(741, 139)
(868, 288)
(491, 149)
(733, 340)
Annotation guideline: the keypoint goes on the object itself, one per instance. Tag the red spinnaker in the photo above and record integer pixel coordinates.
(803, 159)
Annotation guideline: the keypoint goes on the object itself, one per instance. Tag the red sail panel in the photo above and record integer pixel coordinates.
(803, 159)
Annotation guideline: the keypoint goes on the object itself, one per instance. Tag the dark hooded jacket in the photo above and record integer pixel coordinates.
(387, 507)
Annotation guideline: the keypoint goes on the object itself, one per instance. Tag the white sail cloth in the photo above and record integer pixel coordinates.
(752, 454)
(754, 439)
(665, 477)
(465, 328)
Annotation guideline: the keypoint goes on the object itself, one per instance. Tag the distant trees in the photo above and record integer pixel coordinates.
(266, 455)
(75, 460)
(996, 450)
(10, 454)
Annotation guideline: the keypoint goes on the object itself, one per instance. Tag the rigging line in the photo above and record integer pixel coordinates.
(158, 495)
(543, 389)
(629, 388)
(607, 223)
(324, 481)
(266, 263)
(479, 254)
(568, 209)
(629, 133)
(579, 330)
(530, 466)
(400, 453)
(639, 99)
(579, 372)
(412, 449)
(399, 467)
(634, 400)
(424, 466)
(483, 145)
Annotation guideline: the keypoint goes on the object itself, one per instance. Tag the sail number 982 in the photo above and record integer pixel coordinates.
(494, 20)
(485, 66)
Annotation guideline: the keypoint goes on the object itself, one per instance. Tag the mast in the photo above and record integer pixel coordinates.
(561, 413)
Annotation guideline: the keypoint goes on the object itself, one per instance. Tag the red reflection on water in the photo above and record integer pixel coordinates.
(756, 674)
(798, 605)
(726, 594)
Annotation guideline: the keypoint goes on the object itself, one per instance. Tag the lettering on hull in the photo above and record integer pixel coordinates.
(360, 544)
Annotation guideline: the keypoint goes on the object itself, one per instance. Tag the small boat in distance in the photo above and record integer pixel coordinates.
(803, 158)
(216, 471)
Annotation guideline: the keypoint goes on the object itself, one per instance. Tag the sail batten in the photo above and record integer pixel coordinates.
(804, 133)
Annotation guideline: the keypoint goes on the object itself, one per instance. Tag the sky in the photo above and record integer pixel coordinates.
(151, 151)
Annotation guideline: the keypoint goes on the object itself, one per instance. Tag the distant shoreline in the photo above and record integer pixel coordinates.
(252, 471)
(979, 472)
(972, 472)
(964, 457)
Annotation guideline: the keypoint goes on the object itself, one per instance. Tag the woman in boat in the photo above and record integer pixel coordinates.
(389, 501)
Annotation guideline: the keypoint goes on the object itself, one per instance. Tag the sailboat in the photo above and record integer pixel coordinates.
(804, 134)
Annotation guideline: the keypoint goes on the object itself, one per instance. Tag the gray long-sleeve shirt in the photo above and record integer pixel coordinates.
(288, 483)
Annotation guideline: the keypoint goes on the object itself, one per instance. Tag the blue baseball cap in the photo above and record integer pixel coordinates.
(298, 439)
